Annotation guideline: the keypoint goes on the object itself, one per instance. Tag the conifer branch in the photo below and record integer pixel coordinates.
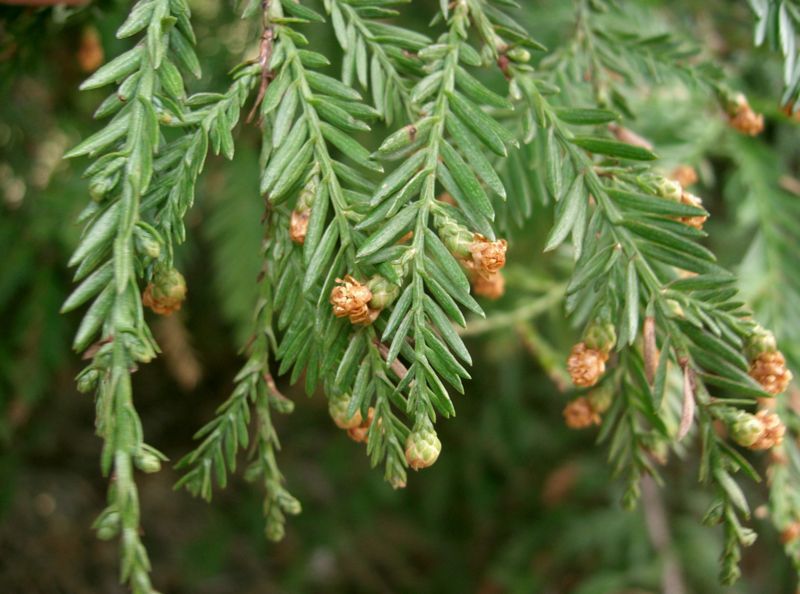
(704, 329)
(379, 55)
(115, 248)
(776, 26)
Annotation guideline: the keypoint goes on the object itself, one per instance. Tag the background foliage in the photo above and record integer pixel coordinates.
(516, 503)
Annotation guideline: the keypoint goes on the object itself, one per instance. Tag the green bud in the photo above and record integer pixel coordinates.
(288, 503)
(669, 189)
(339, 407)
(519, 54)
(601, 336)
(100, 186)
(746, 429)
(147, 462)
(760, 342)
(148, 246)
(87, 380)
(107, 525)
(456, 238)
(714, 514)
(274, 530)
(675, 309)
(601, 398)
(422, 448)
(384, 292)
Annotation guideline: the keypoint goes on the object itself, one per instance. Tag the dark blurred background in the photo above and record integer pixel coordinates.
(515, 504)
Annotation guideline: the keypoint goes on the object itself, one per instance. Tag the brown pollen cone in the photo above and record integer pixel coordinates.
(491, 287)
(586, 365)
(773, 432)
(350, 299)
(769, 370)
(685, 175)
(359, 434)
(579, 414)
(692, 200)
(90, 52)
(744, 119)
(165, 295)
(298, 226)
(488, 256)
(791, 533)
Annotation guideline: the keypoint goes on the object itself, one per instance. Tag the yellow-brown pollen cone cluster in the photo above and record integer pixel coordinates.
(350, 299)
(692, 200)
(491, 287)
(769, 370)
(488, 257)
(685, 175)
(586, 365)
(359, 434)
(743, 118)
(298, 225)
(772, 433)
(165, 295)
(580, 414)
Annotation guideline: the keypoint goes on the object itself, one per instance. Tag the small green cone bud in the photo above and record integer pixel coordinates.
(422, 448)
(669, 189)
(100, 186)
(147, 245)
(600, 398)
(107, 525)
(165, 294)
(713, 515)
(762, 341)
(383, 292)
(675, 309)
(519, 54)
(338, 408)
(87, 380)
(456, 238)
(601, 337)
(746, 429)
(275, 530)
(289, 503)
(147, 462)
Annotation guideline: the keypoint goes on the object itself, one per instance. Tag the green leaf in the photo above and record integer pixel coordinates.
(330, 86)
(466, 180)
(654, 204)
(476, 91)
(115, 70)
(482, 125)
(349, 146)
(586, 117)
(567, 213)
(613, 148)
(396, 227)
(469, 147)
